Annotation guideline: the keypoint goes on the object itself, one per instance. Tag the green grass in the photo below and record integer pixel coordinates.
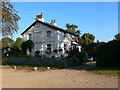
(28, 67)
(108, 71)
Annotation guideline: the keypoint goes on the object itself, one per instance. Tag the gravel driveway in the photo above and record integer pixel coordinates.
(60, 78)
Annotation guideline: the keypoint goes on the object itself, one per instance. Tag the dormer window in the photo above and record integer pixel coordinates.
(38, 25)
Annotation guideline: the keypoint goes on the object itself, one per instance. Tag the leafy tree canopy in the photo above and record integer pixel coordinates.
(117, 36)
(7, 42)
(72, 28)
(17, 43)
(87, 38)
(10, 19)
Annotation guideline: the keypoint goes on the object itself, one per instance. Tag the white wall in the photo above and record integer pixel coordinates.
(40, 39)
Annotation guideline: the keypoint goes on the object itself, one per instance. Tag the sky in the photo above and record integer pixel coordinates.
(97, 18)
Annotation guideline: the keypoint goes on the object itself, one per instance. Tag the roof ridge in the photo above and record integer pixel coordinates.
(50, 25)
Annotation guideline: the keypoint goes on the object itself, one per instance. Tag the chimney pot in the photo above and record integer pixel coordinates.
(54, 21)
(40, 17)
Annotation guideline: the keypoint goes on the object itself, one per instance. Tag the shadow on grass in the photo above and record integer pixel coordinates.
(107, 70)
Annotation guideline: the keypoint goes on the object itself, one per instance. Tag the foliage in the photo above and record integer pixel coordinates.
(37, 53)
(108, 70)
(48, 51)
(78, 57)
(91, 49)
(60, 49)
(38, 61)
(117, 36)
(87, 38)
(83, 57)
(10, 19)
(24, 47)
(7, 42)
(66, 51)
(55, 50)
(108, 54)
(17, 43)
(27, 45)
(72, 28)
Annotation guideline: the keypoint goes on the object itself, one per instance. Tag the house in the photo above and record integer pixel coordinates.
(49, 39)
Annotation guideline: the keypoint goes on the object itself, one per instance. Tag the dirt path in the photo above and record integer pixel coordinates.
(56, 79)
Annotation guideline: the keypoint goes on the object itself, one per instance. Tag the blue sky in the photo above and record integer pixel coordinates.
(98, 18)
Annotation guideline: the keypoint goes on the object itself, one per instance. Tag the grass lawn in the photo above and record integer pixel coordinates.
(108, 70)
(29, 67)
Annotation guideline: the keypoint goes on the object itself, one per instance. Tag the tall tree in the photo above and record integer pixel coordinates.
(87, 38)
(10, 19)
(72, 28)
(117, 36)
(17, 43)
(7, 42)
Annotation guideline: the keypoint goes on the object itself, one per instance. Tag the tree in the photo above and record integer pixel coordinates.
(117, 36)
(7, 42)
(72, 28)
(27, 45)
(87, 38)
(91, 49)
(17, 43)
(10, 19)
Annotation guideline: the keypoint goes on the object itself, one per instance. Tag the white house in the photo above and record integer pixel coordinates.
(50, 39)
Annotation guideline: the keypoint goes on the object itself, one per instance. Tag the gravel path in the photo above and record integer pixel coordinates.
(63, 78)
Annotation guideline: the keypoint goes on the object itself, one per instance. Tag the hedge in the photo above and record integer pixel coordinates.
(108, 54)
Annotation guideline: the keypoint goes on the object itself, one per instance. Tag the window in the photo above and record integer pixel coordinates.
(38, 25)
(65, 46)
(48, 46)
(30, 36)
(64, 34)
(49, 34)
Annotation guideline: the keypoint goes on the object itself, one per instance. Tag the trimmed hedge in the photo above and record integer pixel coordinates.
(108, 54)
(32, 61)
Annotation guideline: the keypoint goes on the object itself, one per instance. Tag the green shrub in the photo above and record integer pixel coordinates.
(83, 57)
(108, 54)
(78, 57)
(33, 61)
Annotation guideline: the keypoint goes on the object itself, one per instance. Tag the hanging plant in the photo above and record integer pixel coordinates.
(48, 51)
(55, 51)
(37, 52)
(60, 49)
(66, 51)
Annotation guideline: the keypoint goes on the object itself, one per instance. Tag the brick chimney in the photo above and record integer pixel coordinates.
(53, 22)
(40, 17)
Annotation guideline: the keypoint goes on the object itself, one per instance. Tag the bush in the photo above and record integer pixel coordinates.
(37, 61)
(108, 54)
(78, 57)
(83, 57)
